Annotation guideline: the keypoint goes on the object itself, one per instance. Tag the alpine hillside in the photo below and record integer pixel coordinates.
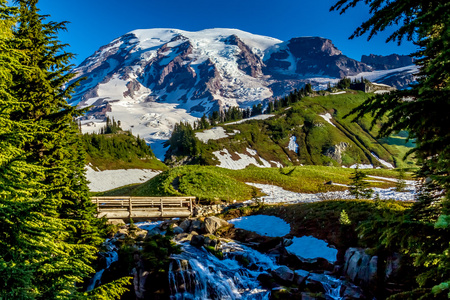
(152, 79)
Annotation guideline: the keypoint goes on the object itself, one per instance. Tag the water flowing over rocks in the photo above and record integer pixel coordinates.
(219, 261)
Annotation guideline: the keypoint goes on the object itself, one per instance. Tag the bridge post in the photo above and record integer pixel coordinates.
(162, 205)
(130, 206)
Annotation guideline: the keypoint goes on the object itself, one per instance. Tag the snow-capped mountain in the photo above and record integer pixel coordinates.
(152, 79)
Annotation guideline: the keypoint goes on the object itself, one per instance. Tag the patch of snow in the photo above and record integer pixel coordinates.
(263, 225)
(339, 93)
(293, 146)
(361, 166)
(227, 162)
(251, 151)
(214, 133)
(327, 117)
(276, 194)
(258, 117)
(309, 247)
(408, 182)
(381, 92)
(383, 162)
(100, 181)
(277, 164)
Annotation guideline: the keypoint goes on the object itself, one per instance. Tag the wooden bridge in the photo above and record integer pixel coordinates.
(123, 207)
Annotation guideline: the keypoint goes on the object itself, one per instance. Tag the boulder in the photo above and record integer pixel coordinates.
(361, 268)
(177, 230)
(198, 240)
(154, 232)
(196, 225)
(300, 276)
(185, 225)
(284, 274)
(214, 223)
(392, 266)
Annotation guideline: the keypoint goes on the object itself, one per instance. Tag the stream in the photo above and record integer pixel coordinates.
(197, 274)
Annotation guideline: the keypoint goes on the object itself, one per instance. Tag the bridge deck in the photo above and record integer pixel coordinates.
(122, 207)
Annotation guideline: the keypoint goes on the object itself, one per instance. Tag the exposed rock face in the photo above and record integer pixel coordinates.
(335, 152)
(361, 268)
(393, 61)
(314, 56)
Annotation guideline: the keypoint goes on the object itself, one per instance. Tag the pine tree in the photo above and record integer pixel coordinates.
(48, 231)
(421, 110)
(359, 186)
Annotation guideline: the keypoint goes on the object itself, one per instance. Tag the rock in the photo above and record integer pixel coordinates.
(335, 152)
(196, 225)
(118, 222)
(350, 292)
(307, 296)
(361, 268)
(185, 225)
(141, 234)
(392, 266)
(198, 240)
(287, 242)
(284, 274)
(183, 237)
(266, 280)
(214, 223)
(154, 232)
(300, 276)
(177, 230)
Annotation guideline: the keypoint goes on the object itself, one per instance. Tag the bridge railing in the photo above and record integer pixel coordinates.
(129, 207)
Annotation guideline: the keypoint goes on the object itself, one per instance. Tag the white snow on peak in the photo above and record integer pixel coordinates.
(327, 117)
(158, 36)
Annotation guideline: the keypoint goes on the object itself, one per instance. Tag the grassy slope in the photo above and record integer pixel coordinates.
(314, 135)
(213, 183)
(120, 151)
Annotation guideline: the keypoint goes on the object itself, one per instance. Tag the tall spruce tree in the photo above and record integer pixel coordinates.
(48, 232)
(422, 110)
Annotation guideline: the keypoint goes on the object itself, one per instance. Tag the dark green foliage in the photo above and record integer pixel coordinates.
(157, 251)
(183, 140)
(423, 112)
(118, 151)
(359, 186)
(344, 83)
(48, 231)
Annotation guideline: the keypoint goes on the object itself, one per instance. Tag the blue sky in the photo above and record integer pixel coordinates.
(97, 22)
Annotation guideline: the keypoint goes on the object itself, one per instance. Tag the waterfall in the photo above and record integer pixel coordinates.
(332, 288)
(110, 256)
(197, 274)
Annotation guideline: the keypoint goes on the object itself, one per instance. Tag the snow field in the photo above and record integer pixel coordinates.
(100, 181)
(228, 162)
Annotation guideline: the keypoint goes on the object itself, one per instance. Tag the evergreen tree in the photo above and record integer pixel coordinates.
(48, 231)
(359, 186)
(421, 110)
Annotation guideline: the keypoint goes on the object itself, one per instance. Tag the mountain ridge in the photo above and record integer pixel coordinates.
(151, 79)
